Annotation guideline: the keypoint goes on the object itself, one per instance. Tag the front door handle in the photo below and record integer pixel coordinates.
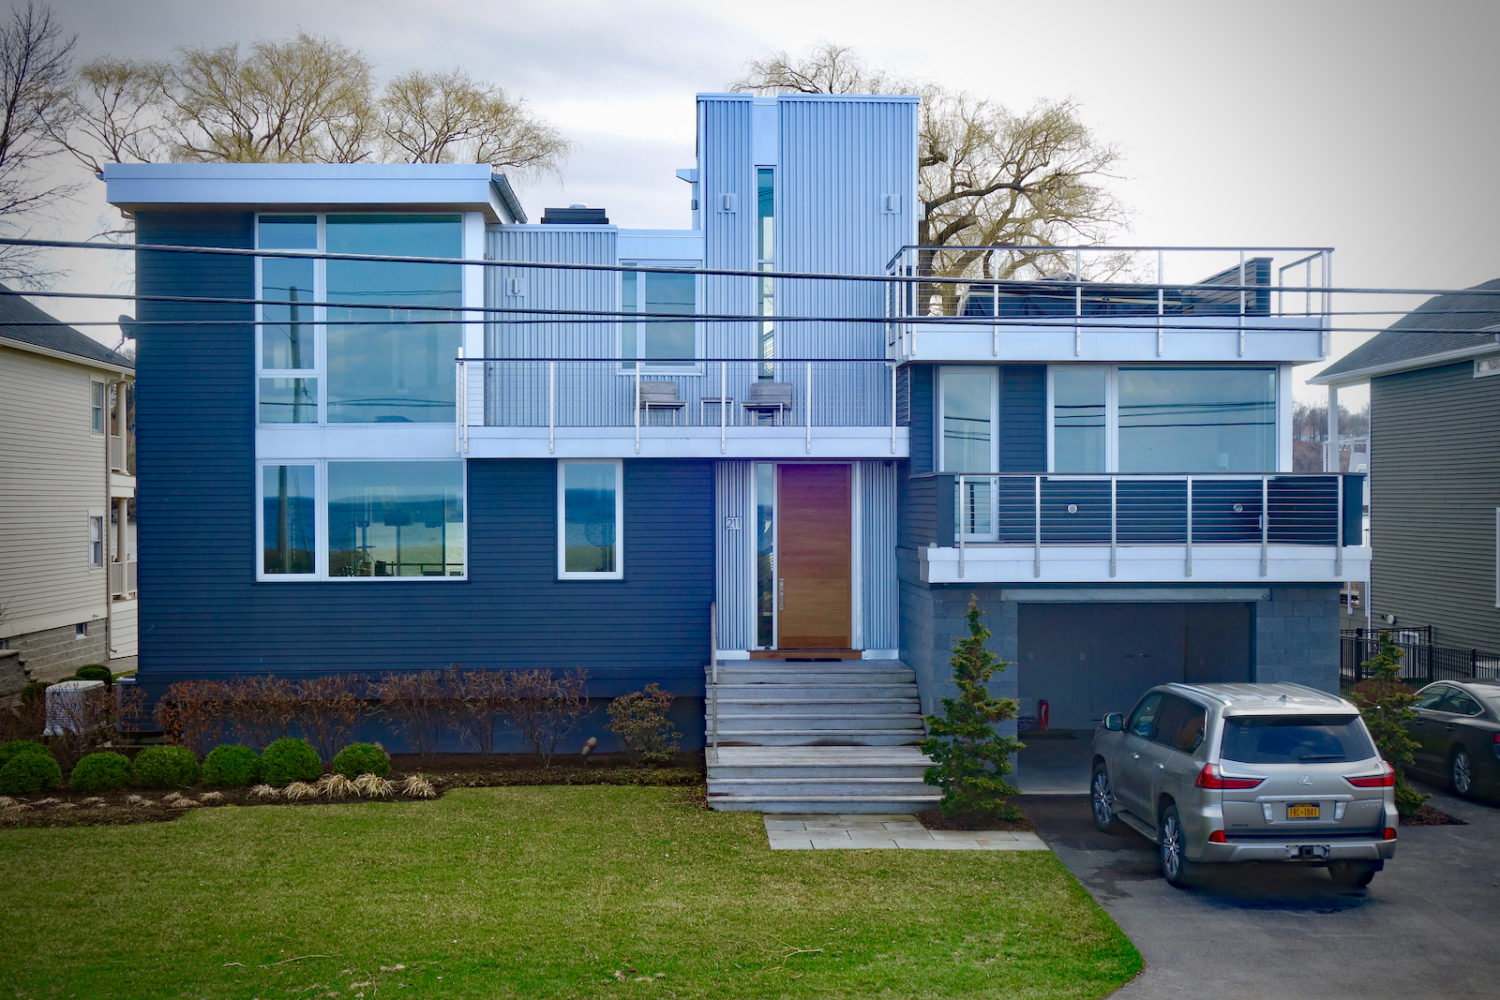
(781, 594)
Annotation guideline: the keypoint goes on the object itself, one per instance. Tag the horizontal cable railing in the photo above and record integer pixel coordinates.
(1021, 285)
(1145, 509)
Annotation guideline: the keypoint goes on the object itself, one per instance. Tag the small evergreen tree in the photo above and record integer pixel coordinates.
(972, 758)
(1386, 702)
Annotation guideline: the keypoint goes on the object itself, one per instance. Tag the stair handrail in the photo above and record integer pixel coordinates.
(713, 660)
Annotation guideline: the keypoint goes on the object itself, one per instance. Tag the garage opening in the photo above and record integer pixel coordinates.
(1085, 660)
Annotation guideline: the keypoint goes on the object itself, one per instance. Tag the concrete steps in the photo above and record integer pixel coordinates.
(810, 737)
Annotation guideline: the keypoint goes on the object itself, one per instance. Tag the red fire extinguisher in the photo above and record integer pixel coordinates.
(1042, 715)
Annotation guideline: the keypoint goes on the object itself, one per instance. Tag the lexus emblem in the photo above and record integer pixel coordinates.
(1306, 779)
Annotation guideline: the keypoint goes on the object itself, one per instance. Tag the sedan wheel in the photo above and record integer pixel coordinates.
(1461, 771)
(1102, 799)
(1171, 849)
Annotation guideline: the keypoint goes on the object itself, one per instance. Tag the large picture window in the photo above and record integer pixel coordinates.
(590, 520)
(664, 344)
(362, 520)
(1162, 419)
(382, 350)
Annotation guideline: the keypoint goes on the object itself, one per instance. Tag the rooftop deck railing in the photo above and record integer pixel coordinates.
(1185, 511)
(1002, 286)
(664, 394)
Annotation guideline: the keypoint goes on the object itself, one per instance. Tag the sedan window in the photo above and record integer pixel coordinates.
(1459, 703)
(1429, 697)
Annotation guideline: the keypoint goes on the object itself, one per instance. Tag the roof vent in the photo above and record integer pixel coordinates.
(574, 215)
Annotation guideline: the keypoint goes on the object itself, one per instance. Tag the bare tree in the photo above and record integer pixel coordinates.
(443, 117)
(301, 100)
(987, 177)
(35, 64)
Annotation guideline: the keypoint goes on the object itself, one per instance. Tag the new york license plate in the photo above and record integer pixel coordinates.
(1301, 810)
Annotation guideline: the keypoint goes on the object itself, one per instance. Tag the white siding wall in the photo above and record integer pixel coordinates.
(51, 480)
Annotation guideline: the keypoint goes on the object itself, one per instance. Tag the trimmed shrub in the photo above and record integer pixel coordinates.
(288, 760)
(362, 758)
(100, 772)
(232, 766)
(95, 672)
(29, 772)
(15, 748)
(640, 720)
(34, 693)
(163, 767)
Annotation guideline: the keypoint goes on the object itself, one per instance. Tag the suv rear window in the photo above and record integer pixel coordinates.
(1300, 739)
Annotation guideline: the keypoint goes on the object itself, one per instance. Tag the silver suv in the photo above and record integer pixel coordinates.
(1246, 772)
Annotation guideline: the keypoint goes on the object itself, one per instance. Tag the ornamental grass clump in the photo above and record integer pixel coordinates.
(417, 786)
(373, 786)
(970, 758)
(337, 786)
(163, 767)
(230, 765)
(362, 758)
(297, 791)
(100, 772)
(288, 760)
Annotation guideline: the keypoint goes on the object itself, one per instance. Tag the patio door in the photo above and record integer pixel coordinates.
(814, 540)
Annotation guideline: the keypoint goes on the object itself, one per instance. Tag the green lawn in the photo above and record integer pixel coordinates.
(531, 892)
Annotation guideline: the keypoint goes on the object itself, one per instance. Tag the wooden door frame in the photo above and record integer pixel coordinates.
(855, 609)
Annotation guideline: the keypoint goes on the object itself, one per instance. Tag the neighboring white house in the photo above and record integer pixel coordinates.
(67, 559)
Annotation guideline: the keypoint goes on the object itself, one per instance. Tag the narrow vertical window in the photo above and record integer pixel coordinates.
(288, 520)
(96, 407)
(287, 338)
(765, 555)
(1078, 419)
(96, 541)
(765, 260)
(662, 343)
(590, 520)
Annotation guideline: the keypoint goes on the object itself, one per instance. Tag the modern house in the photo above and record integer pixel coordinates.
(67, 562)
(763, 461)
(1434, 378)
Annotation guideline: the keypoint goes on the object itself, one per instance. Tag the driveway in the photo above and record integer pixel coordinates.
(1426, 927)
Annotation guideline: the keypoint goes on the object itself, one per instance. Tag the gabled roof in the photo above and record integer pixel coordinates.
(25, 324)
(1442, 329)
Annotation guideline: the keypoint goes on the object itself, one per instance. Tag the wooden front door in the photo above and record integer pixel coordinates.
(814, 540)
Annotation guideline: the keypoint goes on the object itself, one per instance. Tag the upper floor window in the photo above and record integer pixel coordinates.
(96, 407)
(663, 343)
(382, 349)
(967, 415)
(590, 520)
(765, 260)
(1162, 419)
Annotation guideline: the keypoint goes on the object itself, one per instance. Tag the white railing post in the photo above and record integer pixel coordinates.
(637, 381)
(1265, 524)
(1077, 304)
(460, 402)
(1187, 569)
(1161, 306)
(958, 497)
(552, 408)
(1114, 525)
(1036, 561)
(713, 653)
(723, 406)
(1242, 303)
(1338, 543)
(894, 367)
(809, 395)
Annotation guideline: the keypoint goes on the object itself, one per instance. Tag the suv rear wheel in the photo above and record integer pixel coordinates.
(1171, 849)
(1355, 873)
(1102, 800)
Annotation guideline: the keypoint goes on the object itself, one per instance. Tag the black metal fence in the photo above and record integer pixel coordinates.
(1421, 661)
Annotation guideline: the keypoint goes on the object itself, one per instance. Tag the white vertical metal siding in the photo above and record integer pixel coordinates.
(734, 568)
(877, 540)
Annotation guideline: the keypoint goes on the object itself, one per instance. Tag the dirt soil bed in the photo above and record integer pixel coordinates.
(933, 819)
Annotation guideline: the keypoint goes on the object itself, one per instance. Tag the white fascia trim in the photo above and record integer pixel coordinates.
(1211, 564)
(444, 187)
(767, 443)
(1360, 375)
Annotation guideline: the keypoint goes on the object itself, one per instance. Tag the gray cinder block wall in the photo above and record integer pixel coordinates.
(52, 654)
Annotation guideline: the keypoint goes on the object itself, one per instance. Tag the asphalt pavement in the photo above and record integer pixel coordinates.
(1428, 926)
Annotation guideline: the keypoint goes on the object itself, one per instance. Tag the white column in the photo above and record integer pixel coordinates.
(1331, 451)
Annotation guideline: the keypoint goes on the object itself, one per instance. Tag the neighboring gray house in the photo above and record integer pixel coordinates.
(67, 564)
(1434, 378)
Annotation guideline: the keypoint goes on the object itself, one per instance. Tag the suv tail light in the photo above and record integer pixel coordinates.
(1211, 777)
(1385, 779)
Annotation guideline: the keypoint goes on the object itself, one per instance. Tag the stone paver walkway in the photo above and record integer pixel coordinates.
(889, 832)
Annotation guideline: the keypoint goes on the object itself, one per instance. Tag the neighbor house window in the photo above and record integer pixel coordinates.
(382, 350)
(590, 520)
(1161, 419)
(96, 407)
(96, 541)
(350, 520)
(665, 344)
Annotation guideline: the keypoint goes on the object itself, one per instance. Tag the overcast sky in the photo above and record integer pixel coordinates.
(1365, 125)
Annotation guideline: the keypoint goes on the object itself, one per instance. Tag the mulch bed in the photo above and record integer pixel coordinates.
(1428, 816)
(933, 819)
(64, 807)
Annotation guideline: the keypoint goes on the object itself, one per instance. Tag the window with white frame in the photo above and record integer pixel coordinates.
(590, 520)
(96, 540)
(96, 407)
(664, 344)
(1162, 419)
(968, 404)
(382, 349)
(361, 520)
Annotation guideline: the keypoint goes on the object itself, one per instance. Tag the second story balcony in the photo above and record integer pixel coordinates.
(1119, 528)
(1182, 304)
(678, 408)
